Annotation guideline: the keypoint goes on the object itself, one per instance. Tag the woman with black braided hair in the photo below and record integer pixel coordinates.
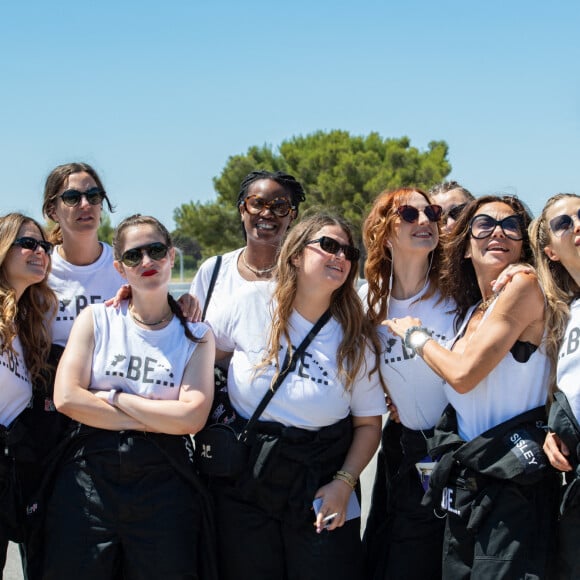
(268, 203)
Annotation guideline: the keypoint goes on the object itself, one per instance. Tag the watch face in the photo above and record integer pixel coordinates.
(418, 339)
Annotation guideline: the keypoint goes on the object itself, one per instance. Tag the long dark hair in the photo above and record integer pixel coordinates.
(458, 279)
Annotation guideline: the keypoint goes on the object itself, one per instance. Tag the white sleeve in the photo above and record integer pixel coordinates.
(367, 396)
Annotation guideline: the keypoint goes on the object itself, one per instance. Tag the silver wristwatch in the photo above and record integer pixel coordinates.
(416, 337)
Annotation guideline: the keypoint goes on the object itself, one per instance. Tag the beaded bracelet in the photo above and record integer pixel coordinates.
(345, 476)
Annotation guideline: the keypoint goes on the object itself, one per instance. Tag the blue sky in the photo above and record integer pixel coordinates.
(157, 95)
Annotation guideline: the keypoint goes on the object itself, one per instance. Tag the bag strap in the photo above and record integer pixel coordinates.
(214, 275)
(288, 365)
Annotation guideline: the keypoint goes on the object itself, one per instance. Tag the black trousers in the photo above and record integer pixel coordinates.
(516, 539)
(118, 509)
(569, 535)
(265, 521)
(403, 539)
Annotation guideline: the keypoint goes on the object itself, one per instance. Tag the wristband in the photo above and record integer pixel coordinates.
(347, 477)
(111, 397)
(416, 337)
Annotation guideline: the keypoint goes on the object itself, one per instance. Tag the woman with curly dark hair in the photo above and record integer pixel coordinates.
(492, 481)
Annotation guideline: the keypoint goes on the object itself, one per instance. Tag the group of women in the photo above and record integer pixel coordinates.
(468, 340)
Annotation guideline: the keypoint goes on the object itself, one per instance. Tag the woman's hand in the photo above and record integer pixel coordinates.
(399, 326)
(123, 293)
(556, 452)
(190, 307)
(393, 411)
(335, 496)
(508, 273)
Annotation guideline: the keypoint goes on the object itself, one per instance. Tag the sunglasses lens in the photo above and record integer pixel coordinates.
(482, 226)
(455, 212)
(28, 243)
(409, 213)
(132, 258)
(254, 204)
(46, 246)
(512, 228)
(157, 251)
(71, 198)
(329, 245)
(561, 223)
(94, 196)
(433, 212)
(280, 207)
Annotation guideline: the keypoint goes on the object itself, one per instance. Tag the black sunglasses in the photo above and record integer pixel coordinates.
(331, 246)
(72, 197)
(156, 251)
(455, 212)
(32, 243)
(563, 223)
(483, 225)
(411, 214)
(255, 204)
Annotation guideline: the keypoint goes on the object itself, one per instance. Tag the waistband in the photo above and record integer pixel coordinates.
(298, 435)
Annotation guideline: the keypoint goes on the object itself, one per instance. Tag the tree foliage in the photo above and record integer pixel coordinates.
(338, 171)
(106, 230)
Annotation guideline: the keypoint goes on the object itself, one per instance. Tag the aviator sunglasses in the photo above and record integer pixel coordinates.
(156, 251)
(411, 214)
(563, 223)
(331, 246)
(32, 243)
(483, 225)
(72, 197)
(255, 204)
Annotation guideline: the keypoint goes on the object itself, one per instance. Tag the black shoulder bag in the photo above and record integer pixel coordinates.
(222, 450)
(221, 408)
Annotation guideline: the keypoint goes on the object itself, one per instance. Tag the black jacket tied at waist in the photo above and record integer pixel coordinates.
(475, 471)
(287, 465)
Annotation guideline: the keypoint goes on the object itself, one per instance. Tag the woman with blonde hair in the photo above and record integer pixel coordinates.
(26, 307)
(321, 427)
(555, 238)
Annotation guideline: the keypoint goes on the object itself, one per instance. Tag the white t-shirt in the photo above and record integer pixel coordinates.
(568, 372)
(78, 286)
(228, 283)
(15, 385)
(311, 397)
(144, 362)
(510, 389)
(416, 390)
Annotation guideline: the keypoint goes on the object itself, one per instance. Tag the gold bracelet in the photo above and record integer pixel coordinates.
(345, 476)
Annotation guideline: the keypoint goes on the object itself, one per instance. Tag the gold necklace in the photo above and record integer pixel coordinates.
(484, 305)
(137, 319)
(256, 270)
